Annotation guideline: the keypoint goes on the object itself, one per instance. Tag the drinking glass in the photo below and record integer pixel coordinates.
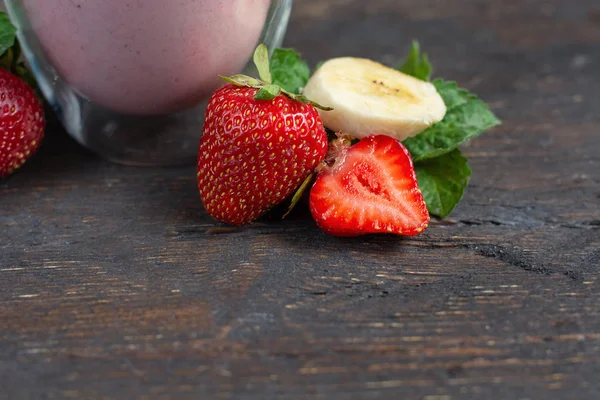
(130, 80)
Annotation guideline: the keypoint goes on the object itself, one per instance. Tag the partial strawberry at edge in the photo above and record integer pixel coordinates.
(253, 154)
(370, 188)
(22, 122)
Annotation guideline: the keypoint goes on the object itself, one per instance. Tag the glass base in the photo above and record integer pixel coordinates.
(162, 140)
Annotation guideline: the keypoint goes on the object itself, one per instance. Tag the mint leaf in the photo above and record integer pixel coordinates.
(442, 181)
(7, 33)
(452, 95)
(289, 70)
(466, 117)
(417, 64)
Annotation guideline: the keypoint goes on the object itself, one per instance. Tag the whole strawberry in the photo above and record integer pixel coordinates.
(259, 143)
(21, 122)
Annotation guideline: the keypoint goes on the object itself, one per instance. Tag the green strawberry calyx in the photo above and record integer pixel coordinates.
(267, 90)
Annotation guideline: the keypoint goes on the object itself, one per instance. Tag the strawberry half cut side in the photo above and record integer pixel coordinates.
(371, 187)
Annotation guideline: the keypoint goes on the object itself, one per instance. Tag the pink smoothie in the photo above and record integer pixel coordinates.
(147, 56)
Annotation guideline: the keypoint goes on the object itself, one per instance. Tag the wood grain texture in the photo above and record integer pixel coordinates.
(114, 283)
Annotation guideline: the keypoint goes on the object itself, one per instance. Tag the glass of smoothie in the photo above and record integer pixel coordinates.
(130, 79)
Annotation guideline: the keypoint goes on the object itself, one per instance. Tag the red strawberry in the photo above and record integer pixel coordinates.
(259, 144)
(21, 122)
(255, 153)
(370, 188)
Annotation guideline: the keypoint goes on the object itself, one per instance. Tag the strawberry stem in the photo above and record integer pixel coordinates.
(298, 195)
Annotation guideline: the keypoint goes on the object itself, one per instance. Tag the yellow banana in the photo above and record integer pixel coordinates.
(370, 98)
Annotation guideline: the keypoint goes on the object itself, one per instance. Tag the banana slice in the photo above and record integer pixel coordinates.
(370, 98)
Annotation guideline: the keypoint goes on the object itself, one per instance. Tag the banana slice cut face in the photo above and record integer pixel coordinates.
(370, 98)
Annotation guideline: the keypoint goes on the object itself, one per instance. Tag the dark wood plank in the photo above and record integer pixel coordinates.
(115, 284)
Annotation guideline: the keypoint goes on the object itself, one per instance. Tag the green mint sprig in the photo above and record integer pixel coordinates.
(442, 171)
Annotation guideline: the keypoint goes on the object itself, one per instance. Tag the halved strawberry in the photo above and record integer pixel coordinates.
(370, 188)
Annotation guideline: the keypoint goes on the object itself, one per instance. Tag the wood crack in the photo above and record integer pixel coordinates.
(516, 258)
(512, 257)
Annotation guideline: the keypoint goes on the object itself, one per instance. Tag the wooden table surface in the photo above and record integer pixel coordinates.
(115, 285)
